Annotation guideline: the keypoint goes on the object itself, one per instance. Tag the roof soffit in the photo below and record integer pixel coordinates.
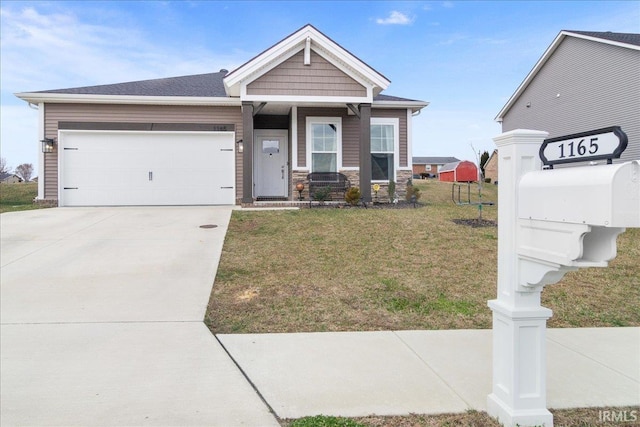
(293, 44)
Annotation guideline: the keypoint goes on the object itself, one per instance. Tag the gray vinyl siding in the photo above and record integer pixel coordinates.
(55, 113)
(293, 78)
(350, 132)
(599, 86)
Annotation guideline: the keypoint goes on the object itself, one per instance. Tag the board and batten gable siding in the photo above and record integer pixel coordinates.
(350, 133)
(292, 77)
(125, 113)
(598, 86)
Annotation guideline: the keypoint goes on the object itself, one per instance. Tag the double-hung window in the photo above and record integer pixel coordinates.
(324, 141)
(384, 149)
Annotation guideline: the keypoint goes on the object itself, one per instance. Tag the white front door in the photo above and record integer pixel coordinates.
(270, 157)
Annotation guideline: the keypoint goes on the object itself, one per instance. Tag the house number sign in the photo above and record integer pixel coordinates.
(607, 143)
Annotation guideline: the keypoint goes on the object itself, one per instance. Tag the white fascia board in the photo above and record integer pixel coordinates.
(601, 40)
(240, 88)
(413, 105)
(307, 100)
(264, 59)
(37, 97)
(344, 57)
(543, 60)
(295, 43)
(354, 74)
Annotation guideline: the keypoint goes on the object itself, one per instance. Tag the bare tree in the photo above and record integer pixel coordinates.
(3, 166)
(25, 171)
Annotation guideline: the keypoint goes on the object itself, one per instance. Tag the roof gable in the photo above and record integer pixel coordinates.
(319, 78)
(625, 40)
(306, 38)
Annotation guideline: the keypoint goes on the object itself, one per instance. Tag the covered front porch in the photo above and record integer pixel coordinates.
(282, 144)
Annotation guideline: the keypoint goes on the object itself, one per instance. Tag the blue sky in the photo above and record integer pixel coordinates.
(466, 58)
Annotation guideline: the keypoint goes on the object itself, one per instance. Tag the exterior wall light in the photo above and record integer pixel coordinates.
(47, 145)
(240, 146)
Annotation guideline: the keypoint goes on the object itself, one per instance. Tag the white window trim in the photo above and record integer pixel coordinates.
(337, 121)
(396, 143)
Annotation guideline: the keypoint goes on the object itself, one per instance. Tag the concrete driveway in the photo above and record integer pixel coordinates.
(101, 312)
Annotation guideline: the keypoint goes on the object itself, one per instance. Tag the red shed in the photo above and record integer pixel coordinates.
(463, 171)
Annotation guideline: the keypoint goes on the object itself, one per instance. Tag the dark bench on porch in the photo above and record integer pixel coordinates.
(335, 181)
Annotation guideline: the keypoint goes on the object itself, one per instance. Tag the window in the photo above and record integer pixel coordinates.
(384, 137)
(427, 168)
(324, 141)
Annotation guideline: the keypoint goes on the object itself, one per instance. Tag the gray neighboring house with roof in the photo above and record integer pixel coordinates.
(305, 104)
(584, 81)
(10, 178)
(431, 165)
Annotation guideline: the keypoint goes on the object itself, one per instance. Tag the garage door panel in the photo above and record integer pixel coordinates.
(147, 168)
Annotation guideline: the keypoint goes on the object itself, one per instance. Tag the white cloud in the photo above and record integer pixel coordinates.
(395, 18)
(44, 49)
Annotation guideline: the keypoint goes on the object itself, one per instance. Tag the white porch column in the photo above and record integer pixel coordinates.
(41, 136)
(519, 322)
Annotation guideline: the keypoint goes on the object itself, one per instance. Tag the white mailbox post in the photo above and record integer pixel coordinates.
(549, 222)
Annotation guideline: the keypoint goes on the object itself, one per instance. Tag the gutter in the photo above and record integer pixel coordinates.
(40, 97)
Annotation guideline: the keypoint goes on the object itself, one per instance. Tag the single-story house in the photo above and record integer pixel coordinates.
(303, 105)
(491, 167)
(461, 171)
(430, 165)
(10, 178)
(584, 81)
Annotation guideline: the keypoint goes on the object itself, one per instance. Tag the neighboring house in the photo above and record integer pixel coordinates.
(9, 178)
(305, 104)
(464, 171)
(430, 165)
(584, 81)
(491, 167)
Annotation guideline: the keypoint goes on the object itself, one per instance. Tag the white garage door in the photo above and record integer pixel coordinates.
(116, 168)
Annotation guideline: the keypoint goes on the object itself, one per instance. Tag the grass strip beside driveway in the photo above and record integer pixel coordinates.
(393, 269)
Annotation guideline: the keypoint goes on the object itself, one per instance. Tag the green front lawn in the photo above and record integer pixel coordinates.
(393, 269)
(19, 197)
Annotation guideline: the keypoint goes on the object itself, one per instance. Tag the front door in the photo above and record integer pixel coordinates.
(270, 157)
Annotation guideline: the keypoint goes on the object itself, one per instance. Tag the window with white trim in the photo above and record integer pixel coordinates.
(384, 149)
(324, 136)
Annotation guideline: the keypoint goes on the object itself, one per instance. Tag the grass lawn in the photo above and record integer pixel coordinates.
(18, 197)
(582, 417)
(393, 269)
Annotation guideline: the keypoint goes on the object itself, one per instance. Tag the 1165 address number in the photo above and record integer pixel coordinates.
(607, 143)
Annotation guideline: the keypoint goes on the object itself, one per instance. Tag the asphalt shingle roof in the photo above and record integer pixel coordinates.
(206, 85)
(628, 38)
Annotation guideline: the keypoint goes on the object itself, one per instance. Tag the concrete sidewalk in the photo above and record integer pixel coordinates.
(427, 372)
(102, 308)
